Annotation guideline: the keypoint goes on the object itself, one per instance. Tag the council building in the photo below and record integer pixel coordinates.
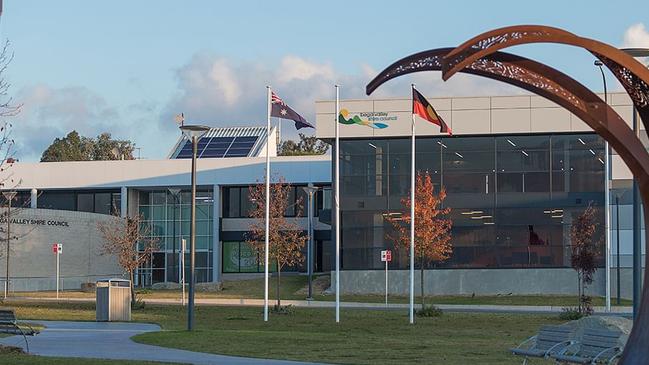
(517, 170)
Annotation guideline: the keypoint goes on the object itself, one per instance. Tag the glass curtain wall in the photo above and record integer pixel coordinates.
(168, 219)
(513, 198)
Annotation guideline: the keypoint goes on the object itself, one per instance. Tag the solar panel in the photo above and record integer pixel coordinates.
(220, 147)
(241, 146)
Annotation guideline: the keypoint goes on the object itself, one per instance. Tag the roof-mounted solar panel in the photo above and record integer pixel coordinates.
(225, 142)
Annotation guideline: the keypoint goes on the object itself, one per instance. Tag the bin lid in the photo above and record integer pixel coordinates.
(113, 282)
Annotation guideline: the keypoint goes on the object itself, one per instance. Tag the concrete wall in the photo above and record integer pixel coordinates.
(480, 282)
(32, 264)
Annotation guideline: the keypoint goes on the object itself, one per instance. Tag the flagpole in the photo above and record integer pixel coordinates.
(337, 205)
(412, 217)
(266, 243)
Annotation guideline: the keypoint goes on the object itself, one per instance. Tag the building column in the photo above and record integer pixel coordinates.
(123, 206)
(33, 200)
(216, 239)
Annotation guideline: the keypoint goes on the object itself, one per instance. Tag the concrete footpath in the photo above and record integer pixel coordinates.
(487, 308)
(101, 340)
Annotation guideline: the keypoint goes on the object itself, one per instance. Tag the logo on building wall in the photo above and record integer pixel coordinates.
(369, 119)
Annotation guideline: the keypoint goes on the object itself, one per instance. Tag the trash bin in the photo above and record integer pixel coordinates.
(113, 300)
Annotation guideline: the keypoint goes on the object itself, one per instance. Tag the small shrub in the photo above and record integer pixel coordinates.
(143, 291)
(571, 314)
(10, 350)
(430, 311)
(282, 309)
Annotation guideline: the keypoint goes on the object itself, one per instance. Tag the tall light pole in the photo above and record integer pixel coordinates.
(9, 195)
(310, 190)
(607, 223)
(174, 192)
(193, 133)
(637, 247)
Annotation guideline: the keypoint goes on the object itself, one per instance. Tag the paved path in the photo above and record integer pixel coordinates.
(615, 310)
(101, 340)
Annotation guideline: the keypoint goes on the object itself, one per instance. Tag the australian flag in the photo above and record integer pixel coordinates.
(279, 109)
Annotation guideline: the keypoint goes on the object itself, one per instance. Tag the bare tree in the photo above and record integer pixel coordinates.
(584, 253)
(286, 239)
(129, 240)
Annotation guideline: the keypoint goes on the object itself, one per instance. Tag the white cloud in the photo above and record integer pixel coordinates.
(296, 68)
(636, 36)
(222, 92)
(48, 113)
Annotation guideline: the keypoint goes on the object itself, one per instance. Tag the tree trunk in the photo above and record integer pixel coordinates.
(579, 291)
(279, 274)
(421, 274)
(133, 299)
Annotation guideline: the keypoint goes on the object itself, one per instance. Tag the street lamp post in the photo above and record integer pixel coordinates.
(9, 195)
(310, 190)
(174, 193)
(193, 133)
(637, 248)
(607, 225)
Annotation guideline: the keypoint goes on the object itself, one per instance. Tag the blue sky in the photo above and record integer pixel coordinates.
(127, 67)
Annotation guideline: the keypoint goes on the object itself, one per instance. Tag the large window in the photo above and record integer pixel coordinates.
(102, 201)
(237, 203)
(168, 218)
(513, 198)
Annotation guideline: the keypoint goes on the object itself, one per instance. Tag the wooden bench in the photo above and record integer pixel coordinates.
(596, 346)
(550, 340)
(9, 325)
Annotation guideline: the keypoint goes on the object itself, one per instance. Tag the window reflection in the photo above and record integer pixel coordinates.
(513, 198)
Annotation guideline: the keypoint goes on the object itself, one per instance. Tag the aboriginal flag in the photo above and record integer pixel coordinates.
(422, 108)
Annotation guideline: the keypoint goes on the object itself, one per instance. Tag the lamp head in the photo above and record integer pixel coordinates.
(310, 189)
(598, 63)
(191, 131)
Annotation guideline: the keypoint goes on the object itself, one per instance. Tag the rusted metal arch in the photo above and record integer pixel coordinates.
(560, 88)
(633, 75)
(541, 80)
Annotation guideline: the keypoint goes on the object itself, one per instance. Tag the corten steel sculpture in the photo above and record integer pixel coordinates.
(563, 90)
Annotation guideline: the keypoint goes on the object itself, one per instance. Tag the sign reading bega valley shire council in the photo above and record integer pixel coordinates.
(375, 120)
(36, 222)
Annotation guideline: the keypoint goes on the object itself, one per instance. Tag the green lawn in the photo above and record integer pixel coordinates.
(362, 337)
(253, 288)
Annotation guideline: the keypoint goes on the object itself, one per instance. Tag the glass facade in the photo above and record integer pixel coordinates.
(168, 218)
(238, 256)
(513, 198)
(237, 204)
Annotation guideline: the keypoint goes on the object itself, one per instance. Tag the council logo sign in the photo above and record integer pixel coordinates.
(373, 119)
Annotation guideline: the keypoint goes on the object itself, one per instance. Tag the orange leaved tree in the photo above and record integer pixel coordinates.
(432, 226)
(286, 238)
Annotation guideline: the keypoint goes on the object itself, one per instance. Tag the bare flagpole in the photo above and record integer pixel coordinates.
(266, 244)
(412, 217)
(337, 204)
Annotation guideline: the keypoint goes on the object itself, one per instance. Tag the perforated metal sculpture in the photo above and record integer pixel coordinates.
(480, 56)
